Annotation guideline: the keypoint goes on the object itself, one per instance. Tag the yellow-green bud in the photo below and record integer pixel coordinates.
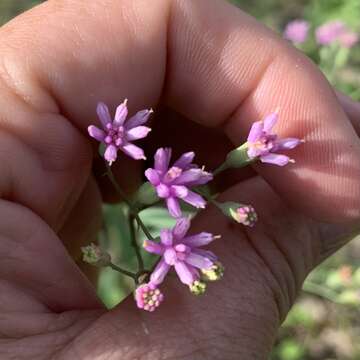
(197, 287)
(216, 272)
(242, 214)
(146, 195)
(94, 255)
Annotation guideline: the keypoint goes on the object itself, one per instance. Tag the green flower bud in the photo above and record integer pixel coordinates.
(197, 287)
(242, 214)
(146, 195)
(94, 255)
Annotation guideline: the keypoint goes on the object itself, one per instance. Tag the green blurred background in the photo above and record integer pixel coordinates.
(325, 322)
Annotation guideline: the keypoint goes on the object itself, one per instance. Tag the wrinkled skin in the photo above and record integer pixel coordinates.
(215, 66)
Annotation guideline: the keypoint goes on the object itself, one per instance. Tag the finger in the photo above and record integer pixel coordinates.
(217, 65)
(35, 263)
(352, 110)
(82, 227)
(227, 69)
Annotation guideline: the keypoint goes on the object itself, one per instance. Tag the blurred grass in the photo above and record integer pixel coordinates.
(316, 328)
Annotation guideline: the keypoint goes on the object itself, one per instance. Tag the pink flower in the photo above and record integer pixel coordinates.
(336, 31)
(148, 297)
(329, 32)
(297, 31)
(182, 252)
(173, 183)
(118, 134)
(348, 39)
(263, 143)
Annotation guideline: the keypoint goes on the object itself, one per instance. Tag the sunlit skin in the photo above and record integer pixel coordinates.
(215, 66)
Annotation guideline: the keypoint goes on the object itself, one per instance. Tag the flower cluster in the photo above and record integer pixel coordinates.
(331, 32)
(182, 252)
(297, 31)
(336, 31)
(179, 182)
(174, 183)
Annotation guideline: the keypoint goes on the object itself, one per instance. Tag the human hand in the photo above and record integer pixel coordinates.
(214, 65)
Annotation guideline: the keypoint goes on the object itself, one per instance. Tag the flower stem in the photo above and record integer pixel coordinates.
(220, 169)
(134, 243)
(132, 208)
(123, 271)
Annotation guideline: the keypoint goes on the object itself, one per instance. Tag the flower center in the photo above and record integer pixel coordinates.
(115, 135)
(173, 173)
(177, 252)
(264, 144)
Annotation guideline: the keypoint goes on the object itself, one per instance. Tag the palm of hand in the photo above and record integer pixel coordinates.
(264, 273)
(48, 308)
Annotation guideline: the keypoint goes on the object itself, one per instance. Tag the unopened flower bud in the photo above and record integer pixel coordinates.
(216, 272)
(146, 195)
(242, 214)
(148, 297)
(197, 287)
(94, 255)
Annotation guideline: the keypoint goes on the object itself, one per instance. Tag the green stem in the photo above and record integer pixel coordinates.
(321, 291)
(133, 209)
(134, 244)
(220, 169)
(116, 185)
(143, 227)
(123, 271)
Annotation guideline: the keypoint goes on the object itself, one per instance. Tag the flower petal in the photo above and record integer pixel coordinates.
(137, 133)
(185, 160)
(153, 247)
(121, 113)
(199, 261)
(187, 176)
(253, 152)
(133, 151)
(96, 133)
(159, 273)
(110, 154)
(163, 191)
(195, 200)
(181, 228)
(285, 144)
(173, 207)
(275, 159)
(256, 131)
(170, 256)
(179, 191)
(204, 238)
(166, 237)
(270, 121)
(206, 253)
(204, 178)
(186, 276)
(140, 118)
(162, 159)
(152, 176)
(103, 114)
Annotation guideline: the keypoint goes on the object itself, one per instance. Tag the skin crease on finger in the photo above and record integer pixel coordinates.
(213, 64)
